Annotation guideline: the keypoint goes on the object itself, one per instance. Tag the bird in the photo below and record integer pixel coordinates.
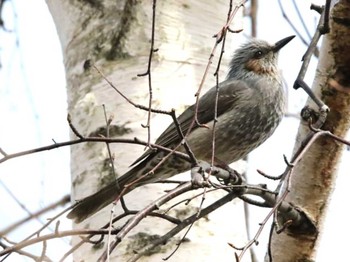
(250, 106)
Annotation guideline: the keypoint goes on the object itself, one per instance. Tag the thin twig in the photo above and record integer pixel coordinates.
(301, 19)
(90, 139)
(39, 239)
(72, 127)
(142, 107)
(190, 153)
(24, 253)
(253, 17)
(64, 200)
(286, 17)
(149, 74)
(299, 82)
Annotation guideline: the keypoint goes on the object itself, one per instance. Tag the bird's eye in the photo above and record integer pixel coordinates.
(258, 54)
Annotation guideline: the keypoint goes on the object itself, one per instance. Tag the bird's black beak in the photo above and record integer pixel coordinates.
(282, 43)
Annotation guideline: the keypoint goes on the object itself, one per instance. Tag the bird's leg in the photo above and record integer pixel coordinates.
(224, 174)
(197, 176)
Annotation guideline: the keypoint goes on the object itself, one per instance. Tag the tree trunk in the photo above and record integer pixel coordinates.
(115, 36)
(313, 178)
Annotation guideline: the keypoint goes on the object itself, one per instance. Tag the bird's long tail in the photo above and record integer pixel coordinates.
(88, 206)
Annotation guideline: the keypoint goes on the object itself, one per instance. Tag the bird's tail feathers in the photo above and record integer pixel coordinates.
(90, 205)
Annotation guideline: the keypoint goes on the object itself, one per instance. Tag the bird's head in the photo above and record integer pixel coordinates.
(256, 56)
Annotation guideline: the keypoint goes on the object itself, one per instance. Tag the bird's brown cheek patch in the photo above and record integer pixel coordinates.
(255, 66)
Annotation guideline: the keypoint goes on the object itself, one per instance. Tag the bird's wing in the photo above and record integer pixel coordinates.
(229, 92)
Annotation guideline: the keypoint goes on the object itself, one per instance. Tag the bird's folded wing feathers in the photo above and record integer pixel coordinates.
(229, 92)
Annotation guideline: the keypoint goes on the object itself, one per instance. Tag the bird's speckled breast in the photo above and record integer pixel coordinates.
(251, 124)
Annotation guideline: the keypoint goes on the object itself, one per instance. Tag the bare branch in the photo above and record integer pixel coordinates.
(62, 201)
